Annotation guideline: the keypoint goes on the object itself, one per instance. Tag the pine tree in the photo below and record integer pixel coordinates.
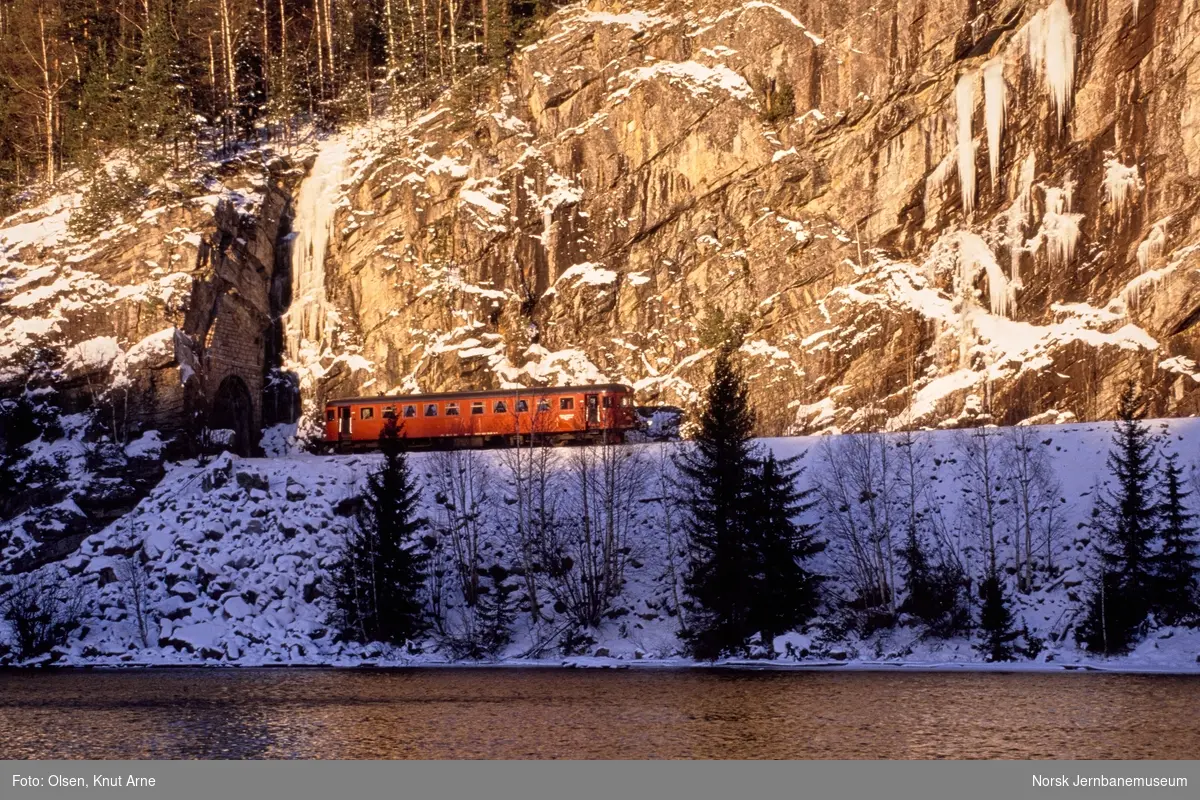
(382, 574)
(996, 630)
(787, 594)
(719, 475)
(496, 612)
(1126, 526)
(1175, 586)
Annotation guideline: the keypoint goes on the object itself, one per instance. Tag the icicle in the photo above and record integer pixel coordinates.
(975, 256)
(1132, 294)
(994, 107)
(1119, 182)
(1135, 12)
(964, 100)
(1051, 45)
(1150, 250)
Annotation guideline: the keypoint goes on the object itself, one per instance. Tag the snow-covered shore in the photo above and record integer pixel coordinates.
(238, 553)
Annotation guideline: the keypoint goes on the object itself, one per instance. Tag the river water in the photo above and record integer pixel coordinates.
(556, 713)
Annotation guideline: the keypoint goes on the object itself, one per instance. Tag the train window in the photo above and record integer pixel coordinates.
(606, 401)
(477, 408)
(367, 413)
(389, 412)
(431, 409)
(501, 407)
(625, 401)
(451, 409)
(543, 405)
(522, 406)
(410, 411)
(329, 414)
(566, 403)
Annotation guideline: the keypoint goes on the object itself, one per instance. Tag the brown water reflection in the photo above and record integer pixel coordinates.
(543, 713)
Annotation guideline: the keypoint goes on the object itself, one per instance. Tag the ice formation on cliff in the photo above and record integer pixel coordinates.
(994, 99)
(1051, 45)
(964, 100)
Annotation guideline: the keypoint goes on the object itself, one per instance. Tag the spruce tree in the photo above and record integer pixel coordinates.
(787, 594)
(381, 578)
(1126, 526)
(496, 612)
(1175, 587)
(718, 471)
(934, 591)
(996, 630)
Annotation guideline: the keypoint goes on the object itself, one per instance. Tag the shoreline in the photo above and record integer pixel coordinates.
(642, 665)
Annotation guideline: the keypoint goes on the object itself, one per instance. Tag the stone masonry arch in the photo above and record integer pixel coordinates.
(233, 410)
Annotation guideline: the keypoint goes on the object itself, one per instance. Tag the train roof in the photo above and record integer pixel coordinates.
(526, 391)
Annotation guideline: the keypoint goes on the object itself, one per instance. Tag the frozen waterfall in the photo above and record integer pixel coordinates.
(316, 207)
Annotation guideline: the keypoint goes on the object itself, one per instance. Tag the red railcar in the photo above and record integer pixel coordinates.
(480, 419)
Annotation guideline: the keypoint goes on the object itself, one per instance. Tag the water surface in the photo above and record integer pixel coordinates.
(593, 714)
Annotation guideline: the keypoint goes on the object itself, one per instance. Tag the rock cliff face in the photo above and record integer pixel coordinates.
(922, 213)
(168, 315)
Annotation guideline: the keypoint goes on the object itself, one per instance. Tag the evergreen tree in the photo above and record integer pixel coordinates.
(788, 593)
(719, 472)
(935, 591)
(382, 574)
(1175, 586)
(496, 612)
(996, 630)
(1126, 526)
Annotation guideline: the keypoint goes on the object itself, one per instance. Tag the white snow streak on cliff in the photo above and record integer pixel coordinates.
(994, 98)
(964, 100)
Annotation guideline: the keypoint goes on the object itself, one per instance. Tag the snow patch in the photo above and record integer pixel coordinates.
(92, 354)
(697, 78)
(587, 274)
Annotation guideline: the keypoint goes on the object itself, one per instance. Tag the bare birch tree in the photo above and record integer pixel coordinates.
(858, 489)
(587, 554)
(131, 573)
(530, 468)
(460, 482)
(1036, 497)
(985, 489)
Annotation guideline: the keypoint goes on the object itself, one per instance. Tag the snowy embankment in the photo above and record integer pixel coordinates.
(238, 554)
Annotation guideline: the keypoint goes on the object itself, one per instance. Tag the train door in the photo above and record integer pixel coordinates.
(592, 401)
(344, 413)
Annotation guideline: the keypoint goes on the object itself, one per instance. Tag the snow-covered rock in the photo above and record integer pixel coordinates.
(260, 593)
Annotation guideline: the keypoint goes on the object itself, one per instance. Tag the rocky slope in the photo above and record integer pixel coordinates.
(123, 342)
(970, 210)
(231, 563)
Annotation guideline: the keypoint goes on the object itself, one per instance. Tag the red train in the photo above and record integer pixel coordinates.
(562, 414)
